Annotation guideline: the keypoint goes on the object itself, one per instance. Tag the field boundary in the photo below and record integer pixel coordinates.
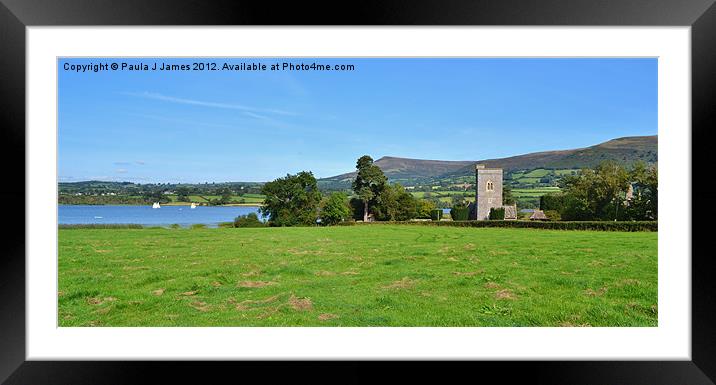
(634, 226)
(561, 225)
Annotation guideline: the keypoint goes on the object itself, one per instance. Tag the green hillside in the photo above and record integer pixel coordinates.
(625, 150)
(538, 169)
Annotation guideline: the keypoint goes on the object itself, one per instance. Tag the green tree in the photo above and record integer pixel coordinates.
(507, 198)
(385, 205)
(613, 182)
(458, 200)
(182, 194)
(460, 213)
(643, 204)
(335, 209)
(552, 201)
(291, 200)
(224, 194)
(407, 204)
(597, 194)
(423, 208)
(369, 183)
(156, 196)
(393, 203)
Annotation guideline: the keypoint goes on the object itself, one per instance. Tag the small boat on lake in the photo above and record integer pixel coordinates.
(193, 205)
(156, 205)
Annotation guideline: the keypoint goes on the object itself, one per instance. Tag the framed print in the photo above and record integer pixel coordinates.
(473, 182)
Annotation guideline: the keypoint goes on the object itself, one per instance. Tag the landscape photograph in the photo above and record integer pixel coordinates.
(357, 192)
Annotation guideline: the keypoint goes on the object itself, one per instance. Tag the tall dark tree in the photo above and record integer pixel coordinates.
(507, 197)
(291, 200)
(369, 182)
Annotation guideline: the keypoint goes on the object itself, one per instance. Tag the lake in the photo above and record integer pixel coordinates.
(146, 215)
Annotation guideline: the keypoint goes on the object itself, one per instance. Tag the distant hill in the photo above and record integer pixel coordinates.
(404, 168)
(623, 150)
(410, 171)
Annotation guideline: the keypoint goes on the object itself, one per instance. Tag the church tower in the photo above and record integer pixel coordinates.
(488, 190)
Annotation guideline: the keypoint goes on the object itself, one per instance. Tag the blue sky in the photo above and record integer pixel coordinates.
(218, 126)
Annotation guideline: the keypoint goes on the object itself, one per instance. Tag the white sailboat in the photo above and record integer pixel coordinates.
(156, 205)
(193, 205)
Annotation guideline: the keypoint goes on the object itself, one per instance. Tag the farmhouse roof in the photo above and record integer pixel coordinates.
(538, 215)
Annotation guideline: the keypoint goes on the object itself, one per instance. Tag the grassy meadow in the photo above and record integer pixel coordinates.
(387, 275)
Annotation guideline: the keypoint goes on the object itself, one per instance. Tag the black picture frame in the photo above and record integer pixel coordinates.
(16, 15)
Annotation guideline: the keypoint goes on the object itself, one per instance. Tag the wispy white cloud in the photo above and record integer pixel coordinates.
(126, 163)
(182, 121)
(230, 106)
(255, 115)
(121, 171)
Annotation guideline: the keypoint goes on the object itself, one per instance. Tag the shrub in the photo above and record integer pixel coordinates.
(497, 213)
(436, 214)
(226, 224)
(553, 215)
(460, 213)
(198, 226)
(248, 220)
(174, 226)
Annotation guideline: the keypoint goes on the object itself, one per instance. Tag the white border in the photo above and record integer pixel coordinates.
(671, 340)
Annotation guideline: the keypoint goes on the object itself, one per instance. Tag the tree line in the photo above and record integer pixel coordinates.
(608, 192)
(295, 200)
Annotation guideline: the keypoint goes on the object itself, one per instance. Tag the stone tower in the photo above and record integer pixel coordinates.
(488, 190)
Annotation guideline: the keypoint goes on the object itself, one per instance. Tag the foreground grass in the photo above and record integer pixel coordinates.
(389, 275)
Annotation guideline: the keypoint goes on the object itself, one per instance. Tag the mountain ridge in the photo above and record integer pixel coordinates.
(625, 150)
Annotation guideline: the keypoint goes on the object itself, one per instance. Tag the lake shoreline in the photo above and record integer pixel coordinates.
(146, 215)
(163, 204)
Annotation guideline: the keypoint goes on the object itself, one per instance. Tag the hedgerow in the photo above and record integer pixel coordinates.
(566, 225)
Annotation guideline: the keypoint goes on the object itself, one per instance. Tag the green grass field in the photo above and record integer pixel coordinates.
(537, 173)
(533, 192)
(383, 275)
